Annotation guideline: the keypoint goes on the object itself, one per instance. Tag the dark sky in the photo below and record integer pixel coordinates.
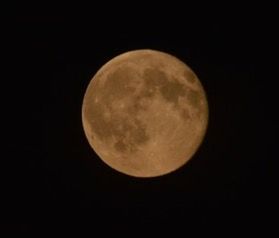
(51, 177)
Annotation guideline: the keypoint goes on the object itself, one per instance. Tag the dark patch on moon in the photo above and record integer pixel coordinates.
(96, 117)
(156, 80)
(120, 146)
(139, 135)
(172, 90)
(194, 98)
(118, 83)
(185, 114)
(189, 76)
(130, 139)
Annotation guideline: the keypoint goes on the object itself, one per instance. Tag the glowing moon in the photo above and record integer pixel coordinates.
(145, 113)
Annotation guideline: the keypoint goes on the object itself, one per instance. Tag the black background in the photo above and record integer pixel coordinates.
(52, 179)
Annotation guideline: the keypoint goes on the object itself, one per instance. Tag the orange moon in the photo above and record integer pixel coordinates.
(145, 113)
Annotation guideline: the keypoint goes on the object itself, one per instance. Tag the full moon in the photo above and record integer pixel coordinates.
(145, 113)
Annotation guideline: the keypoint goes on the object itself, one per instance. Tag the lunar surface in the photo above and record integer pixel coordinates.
(145, 113)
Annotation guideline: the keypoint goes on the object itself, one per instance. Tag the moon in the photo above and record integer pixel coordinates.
(145, 113)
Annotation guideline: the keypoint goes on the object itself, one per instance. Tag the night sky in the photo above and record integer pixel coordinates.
(51, 177)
